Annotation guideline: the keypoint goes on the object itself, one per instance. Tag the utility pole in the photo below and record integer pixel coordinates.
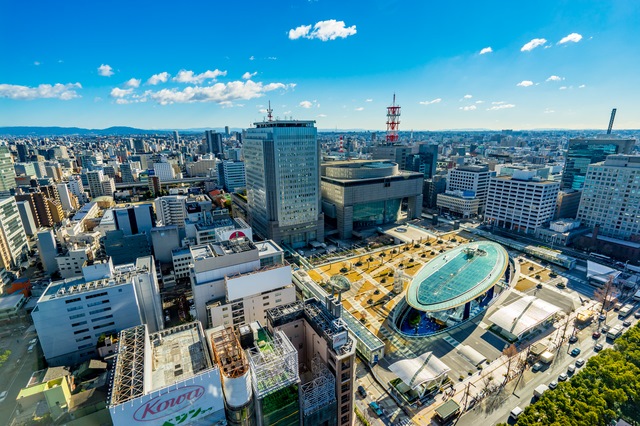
(466, 394)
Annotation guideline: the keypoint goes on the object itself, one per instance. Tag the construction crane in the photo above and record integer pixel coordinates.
(613, 116)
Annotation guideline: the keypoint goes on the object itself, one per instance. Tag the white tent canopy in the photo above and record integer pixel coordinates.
(601, 273)
(523, 315)
(416, 371)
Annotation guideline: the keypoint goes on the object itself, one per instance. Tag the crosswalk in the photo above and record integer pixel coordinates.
(572, 278)
(450, 340)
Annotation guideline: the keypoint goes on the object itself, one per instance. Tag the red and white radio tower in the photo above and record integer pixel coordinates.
(393, 121)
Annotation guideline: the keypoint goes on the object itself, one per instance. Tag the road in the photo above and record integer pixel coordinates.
(17, 370)
(496, 408)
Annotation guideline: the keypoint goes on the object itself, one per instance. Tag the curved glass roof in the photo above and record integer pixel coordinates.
(453, 278)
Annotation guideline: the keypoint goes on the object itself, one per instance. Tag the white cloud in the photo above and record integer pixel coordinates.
(301, 31)
(247, 75)
(262, 110)
(486, 50)
(60, 91)
(133, 82)
(479, 102)
(219, 92)
(434, 101)
(497, 103)
(573, 37)
(533, 44)
(158, 78)
(582, 86)
(525, 83)
(467, 96)
(272, 58)
(185, 76)
(548, 111)
(323, 30)
(321, 115)
(563, 88)
(36, 63)
(360, 109)
(251, 58)
(501, 106)
(554, 78)
(368, 100)
(469, 108)
(306, 104)
(120, 93)
(105, 70)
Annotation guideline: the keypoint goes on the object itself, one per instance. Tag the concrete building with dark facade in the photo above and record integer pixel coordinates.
(282, 163)
(360, 194)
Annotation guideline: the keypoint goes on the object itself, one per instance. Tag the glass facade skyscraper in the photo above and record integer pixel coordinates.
(282, 163)
(582, 152)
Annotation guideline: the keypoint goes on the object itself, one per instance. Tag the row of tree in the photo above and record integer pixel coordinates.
(606, 389)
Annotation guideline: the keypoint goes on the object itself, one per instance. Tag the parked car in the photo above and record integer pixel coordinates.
(602, 317)
(362, 391)
(637, 314)
(573, 338)
(562, 377)
(598, 347)
(605, 328)
(571, 369)
(579, 362)
(627, 323)
(376, 408)
(553, 385)
(575, 352)
(3, 396)
(596, 335)
(536, 367)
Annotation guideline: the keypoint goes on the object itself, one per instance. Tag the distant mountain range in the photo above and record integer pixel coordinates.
(68, 131)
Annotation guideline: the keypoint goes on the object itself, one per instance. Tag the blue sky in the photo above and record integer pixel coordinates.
(163, 65)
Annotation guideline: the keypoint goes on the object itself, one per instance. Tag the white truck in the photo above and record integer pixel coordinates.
(537, 392)
(615, 332)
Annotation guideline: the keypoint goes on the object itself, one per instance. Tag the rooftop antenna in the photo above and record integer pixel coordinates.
(269, 113)
(393, 121)
(613, 116)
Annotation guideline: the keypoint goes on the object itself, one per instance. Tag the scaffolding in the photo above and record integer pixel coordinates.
(128, 375)
(321, 391)
(274, 364)
(228, 353)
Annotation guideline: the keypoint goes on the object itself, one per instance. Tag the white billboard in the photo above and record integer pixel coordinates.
(197, 400)
(257, 282)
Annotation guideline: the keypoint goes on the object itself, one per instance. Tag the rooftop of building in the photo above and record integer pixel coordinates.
(533, 179)
(236, 245)
(453, 278)
(178, 353)
(318, 316)
(285, 123)
(268, 248)
(122, 274)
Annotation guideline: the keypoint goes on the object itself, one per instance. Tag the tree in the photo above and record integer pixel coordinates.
(509, 352)
(602, 294)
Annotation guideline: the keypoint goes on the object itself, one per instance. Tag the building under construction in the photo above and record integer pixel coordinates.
(236, 377)
(326, 356)
(273, 364)
(165, 378)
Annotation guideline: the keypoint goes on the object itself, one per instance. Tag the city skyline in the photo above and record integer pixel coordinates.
(450, 67)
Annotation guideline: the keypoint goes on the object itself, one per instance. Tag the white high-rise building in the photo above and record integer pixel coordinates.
(164, 171)
(95, 179)
(231, 175)
(13, 240)
(72, 314)
(471, 178)
(522, 202)
(282, 162)
(76, 187)
(611, 197)
(171, 210)
(65, 197)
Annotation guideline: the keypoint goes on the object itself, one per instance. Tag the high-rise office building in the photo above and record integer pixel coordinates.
(95, 179)
(213, 142)
(231, 175)
(471, 178)
(7, 172)
(522, 202)
(424, 161)
(611, 197)
(171, 210)
(23, 152)
(282, 162)
(13, 240)
(582, 152)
